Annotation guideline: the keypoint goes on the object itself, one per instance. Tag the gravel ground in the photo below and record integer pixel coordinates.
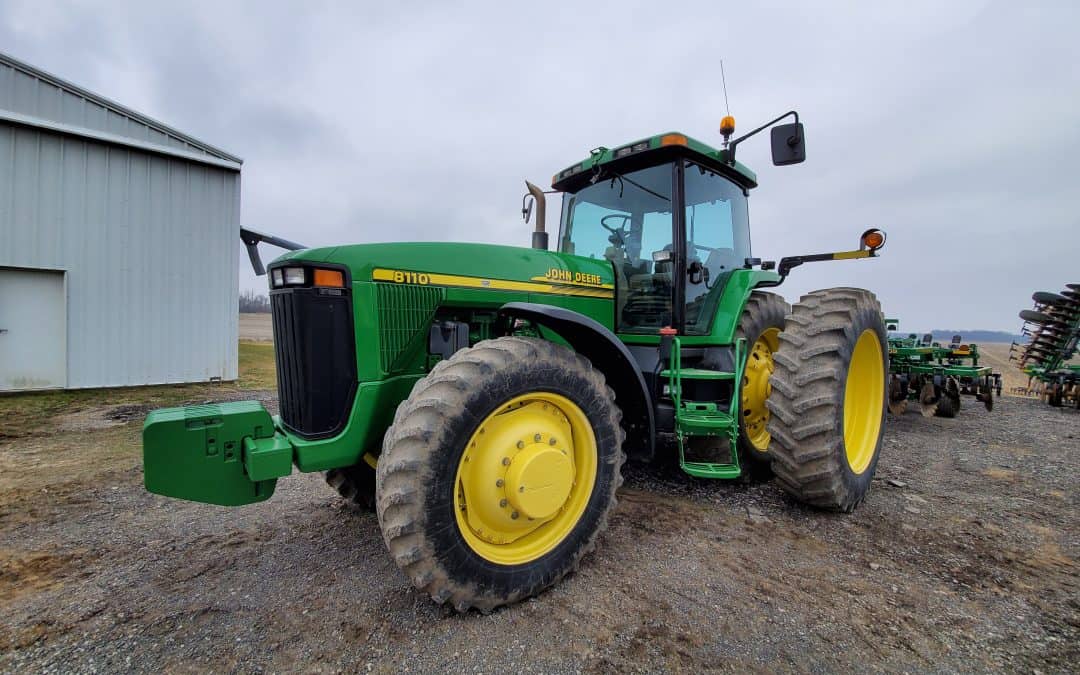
(963, 558)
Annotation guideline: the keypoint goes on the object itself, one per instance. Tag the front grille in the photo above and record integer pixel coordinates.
(405, 312)
(316, 358)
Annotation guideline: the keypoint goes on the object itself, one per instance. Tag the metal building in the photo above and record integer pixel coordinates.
(119, 243)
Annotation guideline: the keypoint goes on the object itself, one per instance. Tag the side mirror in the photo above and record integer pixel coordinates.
(788, 144)
(527, 206)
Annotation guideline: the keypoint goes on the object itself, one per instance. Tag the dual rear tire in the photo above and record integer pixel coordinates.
(828, 398)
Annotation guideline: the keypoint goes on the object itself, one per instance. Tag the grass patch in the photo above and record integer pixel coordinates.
(33, 414)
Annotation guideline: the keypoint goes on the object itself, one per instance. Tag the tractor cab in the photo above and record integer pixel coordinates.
(670, 215)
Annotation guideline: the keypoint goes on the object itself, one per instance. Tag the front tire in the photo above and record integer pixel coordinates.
(499, 472)
(828, 399)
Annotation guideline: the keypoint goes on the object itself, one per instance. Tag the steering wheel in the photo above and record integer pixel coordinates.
(618, 234)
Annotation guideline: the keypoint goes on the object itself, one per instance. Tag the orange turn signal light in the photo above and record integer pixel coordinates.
(329, 278)
(673, 139)
(873, 239)
(727, 125)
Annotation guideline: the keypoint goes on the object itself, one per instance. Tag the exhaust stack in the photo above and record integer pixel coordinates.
(540, 235)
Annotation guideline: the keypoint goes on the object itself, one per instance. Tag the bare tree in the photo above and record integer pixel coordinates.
(255, 303)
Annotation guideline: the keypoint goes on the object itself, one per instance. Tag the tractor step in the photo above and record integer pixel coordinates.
(702, 419)
(697, 421)
(700, 374)
(708, 470)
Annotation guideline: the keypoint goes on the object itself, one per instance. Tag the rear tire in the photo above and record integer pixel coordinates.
(948, 404)
(445, 497)
(828, 401)
(761, 322)
(355, 484)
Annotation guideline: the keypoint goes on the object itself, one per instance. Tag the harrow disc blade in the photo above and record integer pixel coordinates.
(1035, 317)
(1047, 298)
(986, 395)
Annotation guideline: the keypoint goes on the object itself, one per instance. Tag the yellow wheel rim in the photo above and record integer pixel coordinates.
(864, 396)
(756, 388)
(525, 478)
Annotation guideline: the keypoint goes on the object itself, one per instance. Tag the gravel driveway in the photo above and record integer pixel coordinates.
(964, 557)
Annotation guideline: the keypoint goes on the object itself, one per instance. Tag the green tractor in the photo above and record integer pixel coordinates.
(482, 399)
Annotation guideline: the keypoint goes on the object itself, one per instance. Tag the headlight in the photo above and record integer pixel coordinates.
(276, 276)
(294, 276)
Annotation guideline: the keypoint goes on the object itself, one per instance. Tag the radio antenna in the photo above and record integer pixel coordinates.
(723, 80)
(727, 125)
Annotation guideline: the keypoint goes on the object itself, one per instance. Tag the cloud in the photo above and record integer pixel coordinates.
(951, 125)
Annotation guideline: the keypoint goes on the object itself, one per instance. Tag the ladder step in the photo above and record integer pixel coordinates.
(700, 374)
(702, 418)
(707, 470)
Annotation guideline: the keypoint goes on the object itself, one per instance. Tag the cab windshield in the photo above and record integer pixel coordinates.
(627, 220)
(717, 237)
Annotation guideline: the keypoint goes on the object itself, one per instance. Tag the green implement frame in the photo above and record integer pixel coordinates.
(937, 375)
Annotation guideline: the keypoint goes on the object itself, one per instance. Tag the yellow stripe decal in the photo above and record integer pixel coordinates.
(435, 279)
(849, 255)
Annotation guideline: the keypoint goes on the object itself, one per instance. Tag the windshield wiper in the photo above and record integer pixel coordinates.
(639, 186)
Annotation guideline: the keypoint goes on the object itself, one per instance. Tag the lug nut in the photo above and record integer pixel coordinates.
(506, 461)
(537, 438)
(514, 515)
(521, 489)
(551, 442)
(520, 444)
(499, 483)
(502, 503)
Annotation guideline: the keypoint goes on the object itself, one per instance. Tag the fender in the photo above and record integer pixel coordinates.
(610, 356)
(733, 297)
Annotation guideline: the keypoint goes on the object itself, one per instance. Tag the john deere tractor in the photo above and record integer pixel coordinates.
(482, 399)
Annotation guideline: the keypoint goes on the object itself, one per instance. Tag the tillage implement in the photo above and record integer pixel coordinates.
(1053, 331)
(482, 399)
(936, 375)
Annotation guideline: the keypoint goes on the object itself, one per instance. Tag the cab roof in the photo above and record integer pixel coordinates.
(648, 151)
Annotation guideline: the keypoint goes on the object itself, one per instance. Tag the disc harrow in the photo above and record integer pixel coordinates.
(1052, 327)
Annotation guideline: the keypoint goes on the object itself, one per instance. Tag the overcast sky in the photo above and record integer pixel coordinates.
(954, 126)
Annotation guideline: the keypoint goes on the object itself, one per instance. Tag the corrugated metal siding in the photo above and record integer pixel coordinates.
(26, 90)
(150, 245)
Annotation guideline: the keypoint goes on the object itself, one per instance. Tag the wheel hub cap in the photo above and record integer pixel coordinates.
(525, 477)
(539, 480)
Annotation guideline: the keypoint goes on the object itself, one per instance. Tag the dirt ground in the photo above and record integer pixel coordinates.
(963, 558)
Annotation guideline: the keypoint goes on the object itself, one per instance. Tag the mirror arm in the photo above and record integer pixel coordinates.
(789, 263)
(729, 153)
(252, 239)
